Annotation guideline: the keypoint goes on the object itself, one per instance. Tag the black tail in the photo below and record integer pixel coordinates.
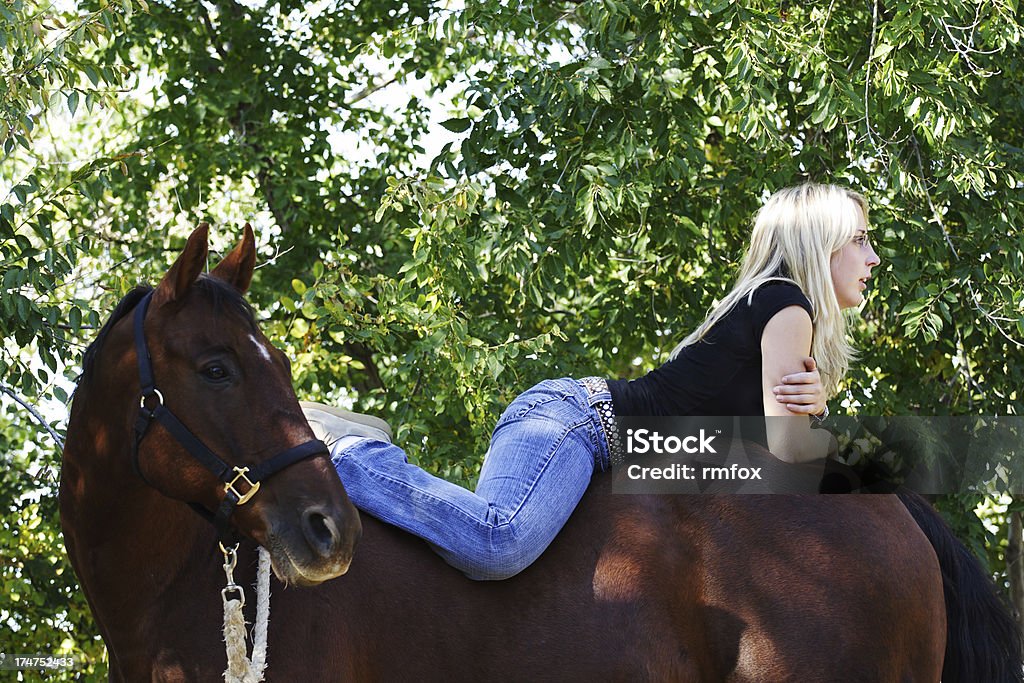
(983, 641)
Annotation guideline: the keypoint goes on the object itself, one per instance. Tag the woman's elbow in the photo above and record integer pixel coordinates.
(795, 442)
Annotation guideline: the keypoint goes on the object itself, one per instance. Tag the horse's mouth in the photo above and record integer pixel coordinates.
(291, 572)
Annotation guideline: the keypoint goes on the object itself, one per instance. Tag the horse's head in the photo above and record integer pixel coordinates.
(227, 385)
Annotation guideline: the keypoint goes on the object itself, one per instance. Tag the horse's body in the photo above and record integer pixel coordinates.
(671, 588)
(659, 588)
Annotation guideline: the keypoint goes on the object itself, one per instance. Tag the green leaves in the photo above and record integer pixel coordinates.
(457, 125)
(594, 202)
(50, 65)
(44, 609)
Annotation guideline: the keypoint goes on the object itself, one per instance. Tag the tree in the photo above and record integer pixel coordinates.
(50, 62)
(607, 157)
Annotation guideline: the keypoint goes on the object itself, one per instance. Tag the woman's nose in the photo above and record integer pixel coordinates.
(873, 259)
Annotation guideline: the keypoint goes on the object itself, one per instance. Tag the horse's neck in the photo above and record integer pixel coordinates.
(129, 544)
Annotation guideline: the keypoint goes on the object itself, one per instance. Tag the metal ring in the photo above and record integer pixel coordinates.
(233, 589)
(230, 556)
(159, 396)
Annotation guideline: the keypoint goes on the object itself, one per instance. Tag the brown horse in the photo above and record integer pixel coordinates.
(659, 588)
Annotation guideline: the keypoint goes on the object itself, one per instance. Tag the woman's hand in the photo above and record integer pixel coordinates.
(802, 392)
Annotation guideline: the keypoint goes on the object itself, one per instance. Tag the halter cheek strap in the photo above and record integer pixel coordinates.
(232, 477)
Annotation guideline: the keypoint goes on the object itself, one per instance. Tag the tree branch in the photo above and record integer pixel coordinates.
(867, 72)
(205, 16)
(365, 356)
(369, 90)
(267, 188)
(35, 413)
(937, 216)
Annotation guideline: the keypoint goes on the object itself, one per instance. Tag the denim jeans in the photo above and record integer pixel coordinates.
(543, 452)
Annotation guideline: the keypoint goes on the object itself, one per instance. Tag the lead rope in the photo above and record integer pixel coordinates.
(240, 668)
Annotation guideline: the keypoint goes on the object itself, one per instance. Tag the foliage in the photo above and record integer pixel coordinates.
(50, 62)
(599, 164)
(42, 609)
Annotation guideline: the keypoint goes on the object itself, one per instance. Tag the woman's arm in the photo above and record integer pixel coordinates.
(802, 393)
(785, 342)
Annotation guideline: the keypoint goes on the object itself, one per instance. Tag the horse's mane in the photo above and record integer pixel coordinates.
(222, 296)
(226, 299)
(130, 300)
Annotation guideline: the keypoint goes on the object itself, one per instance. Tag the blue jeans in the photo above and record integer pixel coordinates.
(543, 452)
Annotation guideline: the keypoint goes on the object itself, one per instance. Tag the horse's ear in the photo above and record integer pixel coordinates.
(186, 269)
(236, 268)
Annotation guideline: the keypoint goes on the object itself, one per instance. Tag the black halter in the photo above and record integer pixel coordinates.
(230, 476)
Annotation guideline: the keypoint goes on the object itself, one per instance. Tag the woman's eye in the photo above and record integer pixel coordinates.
(216, 373)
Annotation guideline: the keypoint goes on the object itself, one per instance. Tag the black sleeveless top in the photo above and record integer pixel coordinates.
(720, 374)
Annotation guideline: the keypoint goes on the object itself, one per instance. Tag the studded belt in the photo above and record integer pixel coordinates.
(606, 413)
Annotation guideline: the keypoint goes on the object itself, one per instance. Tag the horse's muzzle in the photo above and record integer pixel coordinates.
(319, 550)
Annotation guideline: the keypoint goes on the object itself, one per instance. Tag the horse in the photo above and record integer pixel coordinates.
(635, 587)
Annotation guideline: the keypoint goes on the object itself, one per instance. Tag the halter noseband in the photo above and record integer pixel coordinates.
(228, 475)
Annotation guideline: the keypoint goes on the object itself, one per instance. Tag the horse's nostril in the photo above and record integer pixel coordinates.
(321, 532)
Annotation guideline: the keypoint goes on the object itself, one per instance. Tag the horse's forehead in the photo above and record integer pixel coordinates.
(242, 336)
(194, 329)
(261, 346)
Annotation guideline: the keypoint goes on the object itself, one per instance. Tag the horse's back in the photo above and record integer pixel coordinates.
(747, 587)
(812, 588)
(685, 588)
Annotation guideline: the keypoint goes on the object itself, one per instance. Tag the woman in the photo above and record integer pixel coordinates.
(809, 257)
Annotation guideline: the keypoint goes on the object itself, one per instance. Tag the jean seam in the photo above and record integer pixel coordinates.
(547, 461)
(531, 407)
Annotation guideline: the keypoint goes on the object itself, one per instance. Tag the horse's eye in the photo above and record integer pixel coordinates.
(215, 372)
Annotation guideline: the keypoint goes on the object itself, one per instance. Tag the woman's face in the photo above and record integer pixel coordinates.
(851, 269)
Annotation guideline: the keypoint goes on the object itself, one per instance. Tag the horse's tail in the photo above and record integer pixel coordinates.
(983, 641)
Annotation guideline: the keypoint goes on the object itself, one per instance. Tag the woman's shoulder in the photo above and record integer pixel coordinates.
(785, 291)
(773, 296)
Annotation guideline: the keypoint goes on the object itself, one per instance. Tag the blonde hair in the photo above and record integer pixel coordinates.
(794, 236)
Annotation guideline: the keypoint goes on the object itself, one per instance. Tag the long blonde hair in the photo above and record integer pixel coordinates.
(794, 236)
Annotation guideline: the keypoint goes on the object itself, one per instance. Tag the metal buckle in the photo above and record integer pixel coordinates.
(253, 486)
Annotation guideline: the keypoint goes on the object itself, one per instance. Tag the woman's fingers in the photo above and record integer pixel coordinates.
(797, 389)
(801, 392)
(802, 378)
(810, 402)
